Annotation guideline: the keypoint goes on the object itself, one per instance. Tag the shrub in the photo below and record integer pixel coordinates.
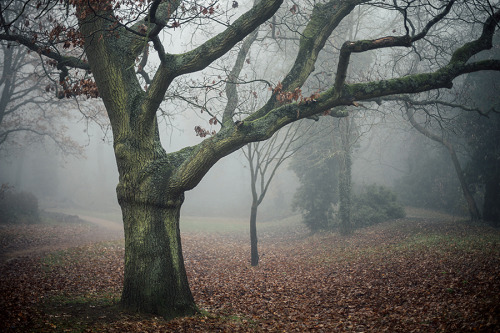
(19, 208)
(375, 204)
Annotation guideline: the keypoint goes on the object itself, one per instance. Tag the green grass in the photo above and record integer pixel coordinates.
(56, 258)
(201, 224)
(78, 313)
(471, 242)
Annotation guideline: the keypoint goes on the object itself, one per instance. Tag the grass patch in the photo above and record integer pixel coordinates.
(450, 242)
(78, 313)
(92, 300)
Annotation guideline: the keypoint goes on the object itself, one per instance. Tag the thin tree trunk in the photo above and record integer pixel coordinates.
(471, 203)
(346, 227)
(345, 194)
(491, 207)
(253, 235)
(155, 279)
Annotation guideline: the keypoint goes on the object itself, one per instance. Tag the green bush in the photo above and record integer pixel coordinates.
(375, 204)
(18, 208)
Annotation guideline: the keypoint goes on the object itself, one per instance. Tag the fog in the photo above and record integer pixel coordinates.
(87, 183)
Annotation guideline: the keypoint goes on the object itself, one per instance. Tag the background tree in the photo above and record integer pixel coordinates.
(27, 108)
(347, 133)
(435, 114)
(471, 203)
(429, 179)
(30, 98)
(483, 137)
(152, 182)
(317, 168)
(483, 168)
(264, 159)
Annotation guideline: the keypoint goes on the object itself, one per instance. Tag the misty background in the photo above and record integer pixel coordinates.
(387, 150)
(87, 183)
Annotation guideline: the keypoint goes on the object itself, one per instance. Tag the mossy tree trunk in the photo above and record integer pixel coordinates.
(155, 279)
(346, 227)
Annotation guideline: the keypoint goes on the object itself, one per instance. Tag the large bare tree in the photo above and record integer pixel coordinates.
(101, 41)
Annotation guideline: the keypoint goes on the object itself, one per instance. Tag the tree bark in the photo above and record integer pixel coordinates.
(253, 235)
(345, 178)
(155, 279)
(491, 207)
(345, 194)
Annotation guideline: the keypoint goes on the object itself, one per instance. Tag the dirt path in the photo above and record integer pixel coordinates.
(34, 240)
(107, 224)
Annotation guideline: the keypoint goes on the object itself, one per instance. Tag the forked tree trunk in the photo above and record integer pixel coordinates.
(155, 279)
(253, 235)
(471, 203)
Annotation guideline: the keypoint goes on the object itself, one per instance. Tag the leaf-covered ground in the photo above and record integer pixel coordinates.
(411, 275)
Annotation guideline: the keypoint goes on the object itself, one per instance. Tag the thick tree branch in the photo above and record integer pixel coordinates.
(324, 19)
(427, 102)
(202, 56)
(263, 123)
(390, 41)
(484, 42)
(159, 14)
(212, 49)
(142, 65)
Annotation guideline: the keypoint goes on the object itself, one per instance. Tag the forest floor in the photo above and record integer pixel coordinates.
(424, 273)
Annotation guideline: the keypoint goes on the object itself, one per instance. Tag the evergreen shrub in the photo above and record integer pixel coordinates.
(18, 208)
(375, 204)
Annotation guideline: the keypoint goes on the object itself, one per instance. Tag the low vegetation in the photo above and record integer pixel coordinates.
(412, 274)
(18, 207)
(375, 204)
